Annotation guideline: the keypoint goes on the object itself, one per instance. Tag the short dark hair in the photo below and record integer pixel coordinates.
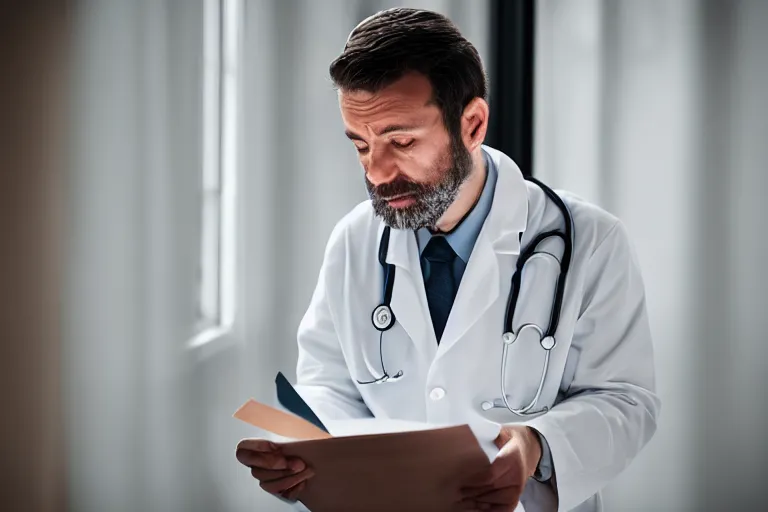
(391, 43)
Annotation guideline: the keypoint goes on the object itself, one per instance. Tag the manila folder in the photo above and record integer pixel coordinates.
(419, 471)
(404, 471)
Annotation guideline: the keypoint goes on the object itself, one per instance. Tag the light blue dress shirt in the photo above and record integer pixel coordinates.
(462, 241)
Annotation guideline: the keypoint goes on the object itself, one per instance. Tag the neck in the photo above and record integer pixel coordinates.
(469, 193)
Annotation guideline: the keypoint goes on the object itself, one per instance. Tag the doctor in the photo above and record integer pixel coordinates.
(447, 298)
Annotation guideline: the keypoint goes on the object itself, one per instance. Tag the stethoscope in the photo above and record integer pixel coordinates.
(383, 318)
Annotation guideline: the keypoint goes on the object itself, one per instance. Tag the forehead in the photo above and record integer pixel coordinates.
(408, 99)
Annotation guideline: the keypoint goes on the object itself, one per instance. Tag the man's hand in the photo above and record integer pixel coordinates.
(278, 474)
(498, 488)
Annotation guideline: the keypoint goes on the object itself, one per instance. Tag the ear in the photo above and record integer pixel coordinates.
(474, 123)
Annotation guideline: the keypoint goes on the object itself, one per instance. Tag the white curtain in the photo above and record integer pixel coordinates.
(656, 110)
(133, 426)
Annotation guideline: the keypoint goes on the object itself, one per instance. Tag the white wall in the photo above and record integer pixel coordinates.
(132, 228)
(656, 110)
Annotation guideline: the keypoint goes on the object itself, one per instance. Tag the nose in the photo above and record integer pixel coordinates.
(379, 167)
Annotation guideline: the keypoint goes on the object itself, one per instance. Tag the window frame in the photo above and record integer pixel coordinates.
(220, 96)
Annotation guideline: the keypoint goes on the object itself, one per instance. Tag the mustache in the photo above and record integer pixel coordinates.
(398, 187)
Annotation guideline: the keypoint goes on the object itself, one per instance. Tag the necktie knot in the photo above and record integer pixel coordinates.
(439, 250)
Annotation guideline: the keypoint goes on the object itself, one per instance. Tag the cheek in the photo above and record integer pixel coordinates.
(425, 163)
(430, 164)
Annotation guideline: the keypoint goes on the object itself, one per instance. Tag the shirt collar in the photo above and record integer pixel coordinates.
(462, 238)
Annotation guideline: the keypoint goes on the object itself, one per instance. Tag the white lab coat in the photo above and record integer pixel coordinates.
(600, 385)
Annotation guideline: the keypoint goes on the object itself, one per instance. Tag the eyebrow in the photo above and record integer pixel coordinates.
(388, 129)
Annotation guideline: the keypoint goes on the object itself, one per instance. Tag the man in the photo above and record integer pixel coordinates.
(412, 94)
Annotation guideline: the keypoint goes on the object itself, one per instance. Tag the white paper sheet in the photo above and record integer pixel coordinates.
(366, 426)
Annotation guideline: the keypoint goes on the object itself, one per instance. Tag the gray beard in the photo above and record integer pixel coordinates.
(432, 201)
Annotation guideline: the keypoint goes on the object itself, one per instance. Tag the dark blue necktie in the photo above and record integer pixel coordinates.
(440, 285)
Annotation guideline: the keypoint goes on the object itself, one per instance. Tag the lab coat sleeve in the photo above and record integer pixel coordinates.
(610, 409)
(544, 469)
(322, 375)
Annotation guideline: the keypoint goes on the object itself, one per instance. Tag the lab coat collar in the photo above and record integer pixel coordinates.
(479, 288)
(506, 220)
(509, 214)
(463, 237)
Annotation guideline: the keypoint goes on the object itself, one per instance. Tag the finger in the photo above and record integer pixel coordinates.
(505, 435)
(472, 493)
(257, 445)
(478, 479)
(270, 475)
(498, 471)
(267, 475)
(292, 494)
(247, 447)
(474, 505)
(503, 508)
(479, 490)
(504, 496)
(283, 484)
(263, 460)
(465, 505)
(286, 483)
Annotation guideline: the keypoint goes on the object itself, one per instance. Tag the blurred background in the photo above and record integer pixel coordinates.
(171, 171)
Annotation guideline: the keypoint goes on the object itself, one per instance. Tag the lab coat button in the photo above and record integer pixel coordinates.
(437, 394)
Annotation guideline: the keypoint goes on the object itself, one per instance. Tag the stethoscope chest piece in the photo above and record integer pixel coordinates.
(382, 317)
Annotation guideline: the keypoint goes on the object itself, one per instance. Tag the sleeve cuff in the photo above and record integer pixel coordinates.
(544, 469)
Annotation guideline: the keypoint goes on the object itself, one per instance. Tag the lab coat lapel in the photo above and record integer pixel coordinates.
(479, 289)
(408, 296)
(497, 244)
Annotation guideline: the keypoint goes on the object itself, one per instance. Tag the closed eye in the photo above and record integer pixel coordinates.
(402, 145)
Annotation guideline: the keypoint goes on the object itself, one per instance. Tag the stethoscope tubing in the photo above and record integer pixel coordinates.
(383, 318)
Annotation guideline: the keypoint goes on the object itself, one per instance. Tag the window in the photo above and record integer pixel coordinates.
(221, 55)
